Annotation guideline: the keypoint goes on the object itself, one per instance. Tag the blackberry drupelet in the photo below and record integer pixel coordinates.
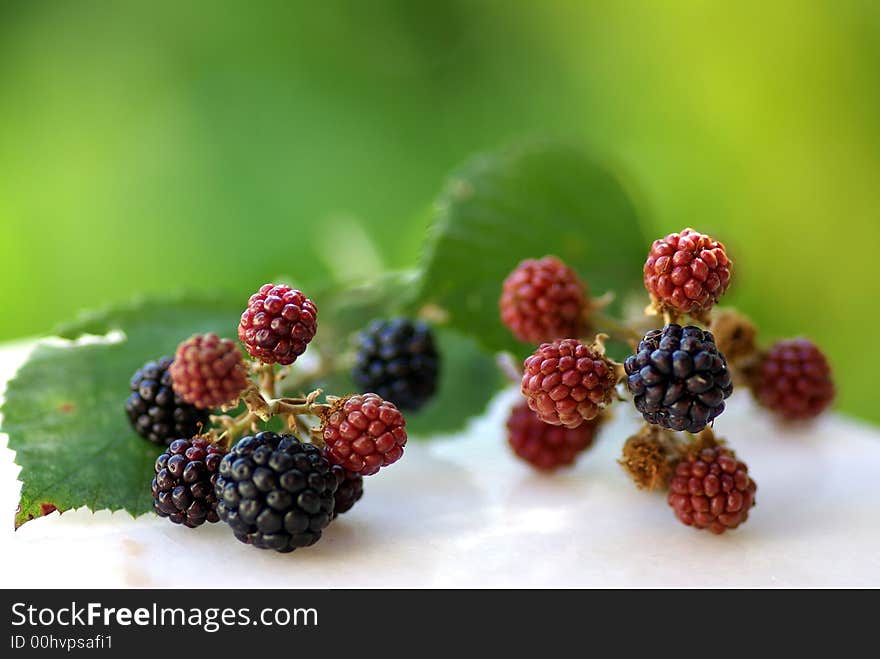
(397, 360)
(275, 492)
(183, 487)
(349, 490)
(712, 490)
(678, 378)
(155, 411)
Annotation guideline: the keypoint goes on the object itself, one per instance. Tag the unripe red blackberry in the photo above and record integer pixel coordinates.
(208, 371)
(155, 411)
(794, 380)
(712, 490)
(364, 433)
(678, 378)
(687, 272)
(275, 492)
(543, 300)
(544, 446)
(566, 382)
(183, 487)
(278, 324)
(349, 490)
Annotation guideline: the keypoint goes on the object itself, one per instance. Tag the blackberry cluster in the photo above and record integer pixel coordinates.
(155, 411)
(208, 371)
(544, 446)
(278, 324)
(566, 382)
(712, 490)
(794, 380)
(397, 360)
(364, 433)
(678, 378)
(687, 271)
(543, 300)
(349, 490)
(275, 492)
(183, 487)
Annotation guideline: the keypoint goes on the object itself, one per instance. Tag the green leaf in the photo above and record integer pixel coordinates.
(527, 201)
(468, 380)
(64, 409)
(343, 310)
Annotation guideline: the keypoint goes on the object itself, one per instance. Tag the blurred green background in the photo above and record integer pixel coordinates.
(148, 146)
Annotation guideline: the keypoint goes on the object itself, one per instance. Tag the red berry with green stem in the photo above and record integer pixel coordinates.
(567, 382)
(543, 300)
(687, 272)
(794, 380)
(278, 324)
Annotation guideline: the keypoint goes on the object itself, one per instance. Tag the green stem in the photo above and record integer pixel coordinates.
(616, 329)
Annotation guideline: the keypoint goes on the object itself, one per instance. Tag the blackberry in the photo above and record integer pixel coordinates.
(544, 446)
(275, 492)
(678, 378)
(712, 490)
(543, 300)
(397, 360)
(155, 411)
(209, 371)
(183, 487)
(278, 324)
(687, 272)
(363, 433)
(349, 490)
(566, 382)
(794, 380)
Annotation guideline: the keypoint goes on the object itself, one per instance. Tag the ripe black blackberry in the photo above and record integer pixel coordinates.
(397, 360)
(275, 492)
(155, 411)
(183, 487)
(350, 489)
(678, 378)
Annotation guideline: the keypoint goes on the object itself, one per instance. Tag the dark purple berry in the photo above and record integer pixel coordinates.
(183, 487)
(678, 378)
(275, 492)
(397, 360)
(155, 411)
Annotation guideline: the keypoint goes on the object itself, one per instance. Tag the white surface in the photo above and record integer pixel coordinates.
(462, 511)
